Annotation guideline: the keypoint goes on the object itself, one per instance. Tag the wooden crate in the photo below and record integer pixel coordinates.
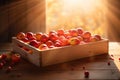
(60, 54)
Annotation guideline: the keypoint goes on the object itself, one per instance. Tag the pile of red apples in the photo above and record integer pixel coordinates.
(59, 38)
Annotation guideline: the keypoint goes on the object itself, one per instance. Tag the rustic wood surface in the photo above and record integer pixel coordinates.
(97, 66)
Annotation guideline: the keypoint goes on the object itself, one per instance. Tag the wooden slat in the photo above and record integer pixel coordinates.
(97, 66)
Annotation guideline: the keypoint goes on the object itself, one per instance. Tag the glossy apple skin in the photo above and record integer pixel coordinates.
(30, 36)
(3, 56)
(86, 35)
(60, 32)
(15, 58)
(80, 38)
(1, 65)
(93, 39)
(73, 32)
(43, 47)
(21, 35)
(86, 74)
(38, 36)
(65, 42)
(25, 40)
(80, 31)
(98, 37)
(67, 35)
(49, 43)
(52, 32)
(74, 41)
(53, 37)
(57, 44)
(44, 38)
(35, 43)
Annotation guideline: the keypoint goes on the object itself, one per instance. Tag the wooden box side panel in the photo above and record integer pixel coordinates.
(33, 58)
(74, 52)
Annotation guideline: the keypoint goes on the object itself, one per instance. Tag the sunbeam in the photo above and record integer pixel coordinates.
(67, 14)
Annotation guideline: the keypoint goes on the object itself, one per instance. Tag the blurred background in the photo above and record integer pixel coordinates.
(97, 16)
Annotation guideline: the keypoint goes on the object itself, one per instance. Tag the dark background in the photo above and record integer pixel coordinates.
(29, 15)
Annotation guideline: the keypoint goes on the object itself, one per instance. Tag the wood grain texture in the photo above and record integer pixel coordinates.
(97, 66)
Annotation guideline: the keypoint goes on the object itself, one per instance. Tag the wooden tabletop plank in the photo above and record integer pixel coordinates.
(97, 66)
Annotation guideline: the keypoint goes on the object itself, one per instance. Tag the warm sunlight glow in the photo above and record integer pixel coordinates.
(67, 14)
(85, 5)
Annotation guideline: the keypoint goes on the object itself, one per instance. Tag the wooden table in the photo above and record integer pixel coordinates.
(97, 66)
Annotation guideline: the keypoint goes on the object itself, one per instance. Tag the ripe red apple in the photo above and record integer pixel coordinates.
(74, 41)
(80, 31)
(44, 38)
(86, 74)
(73, 32)
(53, 37)
(21, 35)
(98, 37)
(49, 43)
(1, 65)
(67, 35)
(86, 35)
(51, 32)
(64, 42)
(51, 46)
(60, 32)
(38, 36)
(86, 40)
(80, 38)
(35, 43)
(30, 36)
(57, 44)
(61, 38)
(93, 39)
(15, 58)
(3, 56)
(25, 40)
(43, 47)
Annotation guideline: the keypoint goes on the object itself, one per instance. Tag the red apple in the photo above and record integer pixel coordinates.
(86, 35)
(25, 40)
(67, 35)
(51, 46)
(73, 32)
(49, 43)
(30, 36)
(86, 40)
(43, 47)
(61, 38)
(51, 32)
(80, 38)
(3, 56)
(80, 31)
(35, 43)
(74, 41)
(57, 44)
(98, 37)
(64, 42)
(1, 65)
(15, 58)
(21, 35)
(38, 36)
(93, 39)
(44, 38)
(53, 37)
(86, 74)
(60, 32)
